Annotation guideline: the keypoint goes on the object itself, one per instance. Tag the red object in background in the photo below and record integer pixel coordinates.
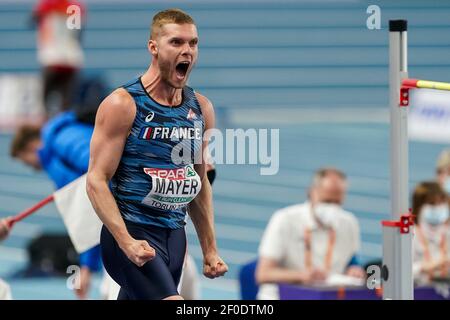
(404, 97)
(45, 7)
(341, 293)
(30, 211)
(404, 224)
(409, 83)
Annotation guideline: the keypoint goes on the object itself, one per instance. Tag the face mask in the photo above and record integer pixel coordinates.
(435, 215)
(447, 185)
(326, 212)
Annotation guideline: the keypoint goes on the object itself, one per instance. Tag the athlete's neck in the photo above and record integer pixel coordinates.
(159, 90)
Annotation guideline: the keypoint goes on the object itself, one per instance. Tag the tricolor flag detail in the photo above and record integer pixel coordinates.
(82, 223)
(146, 133)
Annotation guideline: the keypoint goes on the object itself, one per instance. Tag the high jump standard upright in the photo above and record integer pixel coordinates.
(397, 275)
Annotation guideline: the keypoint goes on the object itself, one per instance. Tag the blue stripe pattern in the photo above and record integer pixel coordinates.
(130, 184)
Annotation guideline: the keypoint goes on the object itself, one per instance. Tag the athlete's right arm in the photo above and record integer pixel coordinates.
(113, 122)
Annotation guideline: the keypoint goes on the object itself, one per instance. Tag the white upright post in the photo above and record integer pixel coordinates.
(397, 241)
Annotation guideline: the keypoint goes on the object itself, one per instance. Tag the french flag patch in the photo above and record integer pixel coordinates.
(146, 133)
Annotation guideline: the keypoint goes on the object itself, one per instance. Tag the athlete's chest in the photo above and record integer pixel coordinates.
(168, 125)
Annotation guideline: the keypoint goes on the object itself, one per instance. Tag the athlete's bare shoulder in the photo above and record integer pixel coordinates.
(117, 110)
(207, 110)
(119, 102)
(204, 101)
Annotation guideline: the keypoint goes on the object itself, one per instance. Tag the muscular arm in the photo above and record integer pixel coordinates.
(112, 125)
(201, 208)
(202, 215)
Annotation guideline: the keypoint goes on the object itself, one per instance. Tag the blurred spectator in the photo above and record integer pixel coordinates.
(89, 94)
(432, 236)
(61, 148)
(59, 52)
(189, 287)
(443, 170)
(305, 243)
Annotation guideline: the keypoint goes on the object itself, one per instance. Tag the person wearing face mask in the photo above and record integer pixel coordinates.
(305, 243)
(432, 233)
(443, 170)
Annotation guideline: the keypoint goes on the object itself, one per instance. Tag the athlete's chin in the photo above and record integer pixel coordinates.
(178, 83)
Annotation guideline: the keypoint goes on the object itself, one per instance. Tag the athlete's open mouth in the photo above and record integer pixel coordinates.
(182, 69)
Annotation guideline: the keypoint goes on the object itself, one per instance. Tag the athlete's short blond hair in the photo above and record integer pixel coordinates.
(168, 16)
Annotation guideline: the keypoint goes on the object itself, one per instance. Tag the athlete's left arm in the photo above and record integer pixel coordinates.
(201, 208)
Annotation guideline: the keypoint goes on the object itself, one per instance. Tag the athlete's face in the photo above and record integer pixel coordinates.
(176, 51)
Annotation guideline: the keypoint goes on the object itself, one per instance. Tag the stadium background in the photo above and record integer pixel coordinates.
(310, 68)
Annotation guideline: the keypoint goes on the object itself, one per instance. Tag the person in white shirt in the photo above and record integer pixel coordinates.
(307, 242)
(432, 233)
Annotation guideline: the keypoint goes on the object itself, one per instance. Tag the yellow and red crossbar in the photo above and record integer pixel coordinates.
(416, 83)
(419, 84)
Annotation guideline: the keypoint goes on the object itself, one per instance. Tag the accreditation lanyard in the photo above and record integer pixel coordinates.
(426, 250)
(329, 252)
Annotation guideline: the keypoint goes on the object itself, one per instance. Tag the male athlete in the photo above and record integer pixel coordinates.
(136, 148)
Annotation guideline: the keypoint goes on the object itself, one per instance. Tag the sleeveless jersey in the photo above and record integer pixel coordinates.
(155, 179)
